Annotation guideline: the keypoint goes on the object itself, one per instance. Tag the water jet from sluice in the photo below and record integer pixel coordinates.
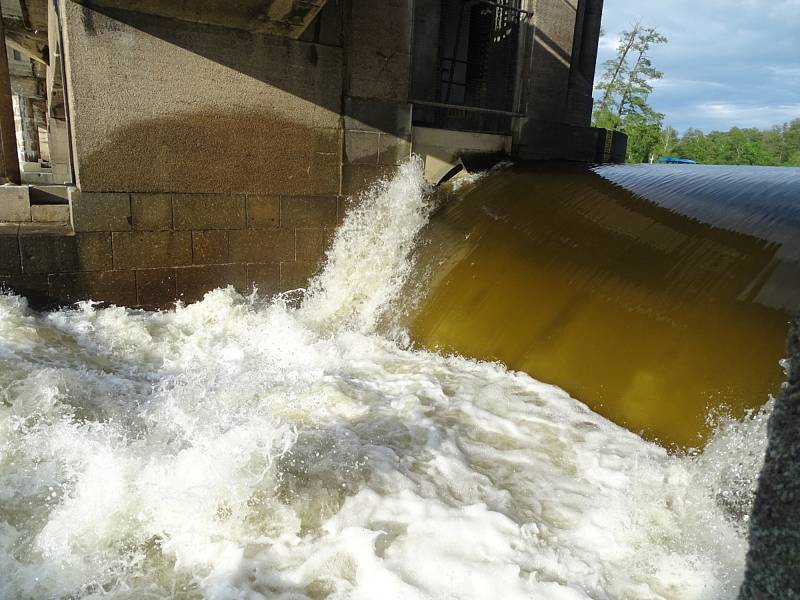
(246, 446)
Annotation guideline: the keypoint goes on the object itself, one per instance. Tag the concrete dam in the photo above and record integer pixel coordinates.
(346, 299)
(197, 146)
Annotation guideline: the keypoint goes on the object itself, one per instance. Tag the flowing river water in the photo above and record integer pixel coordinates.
(308, 446)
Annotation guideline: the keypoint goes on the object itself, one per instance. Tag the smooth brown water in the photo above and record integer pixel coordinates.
(657, 295)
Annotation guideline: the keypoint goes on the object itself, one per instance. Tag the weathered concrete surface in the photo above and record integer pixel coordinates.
(237, 111)
(210, 247)
(114, 287)
(194, 282)
(551, 60)
(279, 243)
(151, 212)
(584, 61)
(378, 49)
(9, 249)
(156, 288)
(442, 150)
(50, 213)
(278, 17)
(149, 249)
(9, 165)
(773, 560)
(377, 115)
(264, 276)
(100, 211)
(543, 140)
(15, 203)
(208, 211)
(263, 212)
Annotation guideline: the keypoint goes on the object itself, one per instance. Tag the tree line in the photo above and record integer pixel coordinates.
(622, 106)
(779, 146)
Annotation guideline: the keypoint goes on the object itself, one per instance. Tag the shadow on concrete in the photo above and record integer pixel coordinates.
(300, 160)
(252, 53)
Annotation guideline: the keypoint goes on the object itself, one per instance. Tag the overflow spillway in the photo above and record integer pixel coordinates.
(248, 446)
(658, 295)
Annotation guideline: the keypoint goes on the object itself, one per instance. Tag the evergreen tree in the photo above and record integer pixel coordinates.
(626, 86)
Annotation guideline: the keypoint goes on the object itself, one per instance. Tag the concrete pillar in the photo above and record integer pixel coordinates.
(30, 133)
(377, 114)
(58, 145)
(584, 60)
(9, 164)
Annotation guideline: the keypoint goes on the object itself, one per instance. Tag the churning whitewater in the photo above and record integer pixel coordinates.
(294, 447)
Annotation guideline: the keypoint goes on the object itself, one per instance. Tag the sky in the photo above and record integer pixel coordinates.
(728, 63)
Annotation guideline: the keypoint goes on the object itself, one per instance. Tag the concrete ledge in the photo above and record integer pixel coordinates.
(15, 204)
(50, 213)
(442, 149)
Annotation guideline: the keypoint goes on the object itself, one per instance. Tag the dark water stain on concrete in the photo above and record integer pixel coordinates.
(241, 152)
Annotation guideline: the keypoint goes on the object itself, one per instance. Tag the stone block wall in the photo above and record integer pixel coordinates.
(150, 250)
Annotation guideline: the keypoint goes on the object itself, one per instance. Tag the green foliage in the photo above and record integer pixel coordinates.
(625, 87)
(644, 136)
(778, 146)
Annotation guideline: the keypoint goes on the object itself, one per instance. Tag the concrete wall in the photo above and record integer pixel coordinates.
(140, 249)
(377, 115)
(209, 155)
(279, 17)
(160, 105)
(558, 95)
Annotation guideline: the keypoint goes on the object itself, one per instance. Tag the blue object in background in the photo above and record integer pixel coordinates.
(676, 161)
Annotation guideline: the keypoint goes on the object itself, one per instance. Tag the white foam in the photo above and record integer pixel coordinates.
(242, 448)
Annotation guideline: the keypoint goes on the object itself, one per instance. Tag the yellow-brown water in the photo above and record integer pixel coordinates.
(656, 308)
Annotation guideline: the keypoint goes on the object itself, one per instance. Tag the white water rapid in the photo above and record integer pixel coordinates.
(252, 448)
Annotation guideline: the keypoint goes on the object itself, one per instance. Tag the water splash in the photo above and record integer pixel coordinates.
(369, 260)
(243, 448)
